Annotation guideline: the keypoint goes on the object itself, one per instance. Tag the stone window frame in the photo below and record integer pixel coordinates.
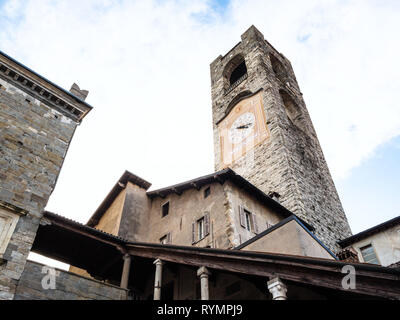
(7, 228)
(201, 228)
(243, 221)
(162, 209)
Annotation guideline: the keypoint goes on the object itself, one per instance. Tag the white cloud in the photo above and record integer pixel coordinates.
(347, 69)
(146, 65)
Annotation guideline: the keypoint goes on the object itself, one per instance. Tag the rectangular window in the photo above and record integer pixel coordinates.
(163, 240)
(368, 254)
(207, 192)
(201, 228)
(165, 209)
(248, 224)
(248, 220)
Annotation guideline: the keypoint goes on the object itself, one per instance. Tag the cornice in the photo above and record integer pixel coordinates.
(42, 89)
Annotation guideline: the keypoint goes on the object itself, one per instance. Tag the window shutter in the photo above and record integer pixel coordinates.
(207, 224)
(193, 232)
(255, 226)
(169, 238)
(242, 217)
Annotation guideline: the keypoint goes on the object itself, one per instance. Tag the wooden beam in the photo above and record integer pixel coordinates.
(219, 179)
(368, 283)
(193, 184)
(160, 195)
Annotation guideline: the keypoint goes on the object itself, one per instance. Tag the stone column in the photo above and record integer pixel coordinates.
(203, 273)
(125, 271)
(158, 279)
(278, 289)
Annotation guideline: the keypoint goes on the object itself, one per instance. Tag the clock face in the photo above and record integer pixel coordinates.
(242, 129)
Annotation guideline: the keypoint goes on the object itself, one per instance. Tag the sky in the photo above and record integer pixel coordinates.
(146, 66)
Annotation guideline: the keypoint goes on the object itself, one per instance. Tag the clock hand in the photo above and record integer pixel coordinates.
(245, 126)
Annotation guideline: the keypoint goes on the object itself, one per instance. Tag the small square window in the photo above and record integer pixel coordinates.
(207, 192)
(166, 239)
(165, 209)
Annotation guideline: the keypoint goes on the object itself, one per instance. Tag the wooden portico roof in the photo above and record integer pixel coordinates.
(101, 254)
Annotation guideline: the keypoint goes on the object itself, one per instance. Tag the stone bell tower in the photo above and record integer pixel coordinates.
(263, 131)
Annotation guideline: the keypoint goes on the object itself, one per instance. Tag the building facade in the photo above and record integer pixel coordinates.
(221, 210)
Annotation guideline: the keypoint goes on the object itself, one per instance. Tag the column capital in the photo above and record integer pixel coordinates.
(126, 256)
(203, 271)
(277, 288)
(158, 262)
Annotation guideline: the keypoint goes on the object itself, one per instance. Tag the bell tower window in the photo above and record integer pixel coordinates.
(235, 72)
(239, 72)
(293, 111)
(279, 69)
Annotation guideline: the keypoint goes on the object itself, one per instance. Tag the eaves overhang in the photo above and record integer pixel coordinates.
(369, 232)
(221, 177)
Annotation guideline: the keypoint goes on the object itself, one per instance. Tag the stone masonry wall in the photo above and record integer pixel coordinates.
(291, 161)
(34, 140)
(68, 286)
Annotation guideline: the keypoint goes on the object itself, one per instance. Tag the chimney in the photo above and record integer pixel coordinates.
(348, 255)
(76, 91)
